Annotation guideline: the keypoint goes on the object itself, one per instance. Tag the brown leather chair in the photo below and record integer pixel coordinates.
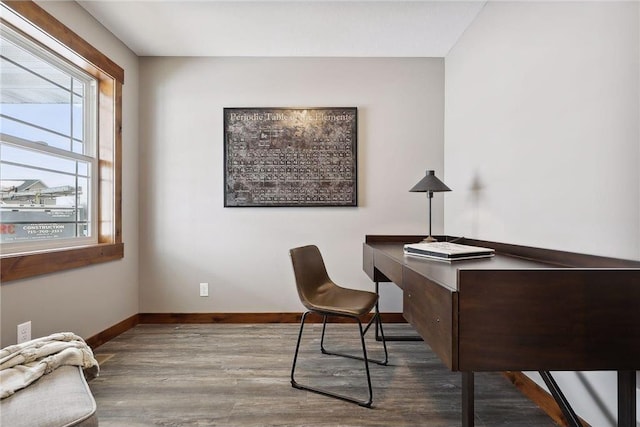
(319, 294)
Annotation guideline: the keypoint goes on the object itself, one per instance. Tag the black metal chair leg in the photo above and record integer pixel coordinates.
(378, 325)
(295, 356)
(383, 362)
(366, 403)
(366, 364)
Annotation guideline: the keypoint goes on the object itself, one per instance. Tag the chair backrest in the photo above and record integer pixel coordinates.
(310, 272)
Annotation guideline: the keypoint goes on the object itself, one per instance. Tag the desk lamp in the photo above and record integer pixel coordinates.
(429, 184)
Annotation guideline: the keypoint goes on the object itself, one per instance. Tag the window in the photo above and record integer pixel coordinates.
(60, 117)
(47, 149)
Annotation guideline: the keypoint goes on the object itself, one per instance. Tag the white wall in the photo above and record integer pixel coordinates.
(542, 143)
(188, 237)
(90, 299)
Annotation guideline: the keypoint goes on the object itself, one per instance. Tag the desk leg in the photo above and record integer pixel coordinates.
(467, 399)
(568, 412)
(379, 320)
(626, 398)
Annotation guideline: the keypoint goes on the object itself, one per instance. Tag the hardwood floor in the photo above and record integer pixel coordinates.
(238, 375)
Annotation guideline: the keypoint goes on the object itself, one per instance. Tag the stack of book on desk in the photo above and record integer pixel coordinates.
(447, 251)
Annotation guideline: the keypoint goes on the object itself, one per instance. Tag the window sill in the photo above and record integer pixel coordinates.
(14, 267)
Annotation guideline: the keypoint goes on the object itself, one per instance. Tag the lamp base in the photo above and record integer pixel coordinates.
(429, 239)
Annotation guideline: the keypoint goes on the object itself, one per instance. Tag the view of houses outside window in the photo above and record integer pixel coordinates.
(47, 151)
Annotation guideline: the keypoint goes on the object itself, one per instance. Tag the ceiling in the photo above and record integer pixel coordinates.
(299, 28)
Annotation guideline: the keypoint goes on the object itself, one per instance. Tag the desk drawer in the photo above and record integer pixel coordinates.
(549, 319)
(430, 308)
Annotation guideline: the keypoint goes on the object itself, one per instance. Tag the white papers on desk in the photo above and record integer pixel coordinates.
(447, 251)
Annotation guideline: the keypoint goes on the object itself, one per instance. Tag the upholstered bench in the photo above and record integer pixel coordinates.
(61, 398)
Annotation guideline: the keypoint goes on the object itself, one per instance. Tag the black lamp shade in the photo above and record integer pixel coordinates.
(430, 183)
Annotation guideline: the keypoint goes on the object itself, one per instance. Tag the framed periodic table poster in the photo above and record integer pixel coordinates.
(290, 157)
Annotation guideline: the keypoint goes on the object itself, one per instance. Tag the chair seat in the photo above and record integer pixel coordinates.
(333, 299)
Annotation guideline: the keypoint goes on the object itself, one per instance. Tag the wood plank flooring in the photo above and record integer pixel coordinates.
(238, 375)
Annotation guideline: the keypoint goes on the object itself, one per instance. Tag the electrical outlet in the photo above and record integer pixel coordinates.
(204, 289)
(24, 332)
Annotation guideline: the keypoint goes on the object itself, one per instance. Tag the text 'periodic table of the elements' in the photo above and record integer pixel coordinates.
(290, 156)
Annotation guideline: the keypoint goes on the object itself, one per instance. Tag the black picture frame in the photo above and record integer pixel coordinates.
(290, 157)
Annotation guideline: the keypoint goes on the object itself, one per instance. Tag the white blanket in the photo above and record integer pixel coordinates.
(22, 364)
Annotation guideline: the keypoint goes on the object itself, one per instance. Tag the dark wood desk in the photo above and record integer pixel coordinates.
(526, 309)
